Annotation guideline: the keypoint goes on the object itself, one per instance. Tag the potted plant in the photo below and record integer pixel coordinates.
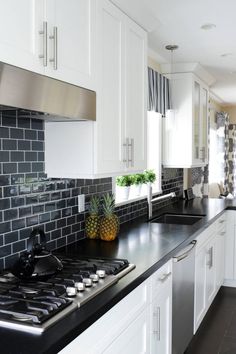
(150, 178)
(138, 180)
(124, 183)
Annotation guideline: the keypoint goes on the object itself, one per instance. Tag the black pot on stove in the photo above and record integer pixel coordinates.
(37, 262)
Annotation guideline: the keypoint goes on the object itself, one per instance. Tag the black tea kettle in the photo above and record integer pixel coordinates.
(37, 262)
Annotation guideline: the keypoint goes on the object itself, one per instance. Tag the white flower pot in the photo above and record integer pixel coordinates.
(137, 190)
(124, 193)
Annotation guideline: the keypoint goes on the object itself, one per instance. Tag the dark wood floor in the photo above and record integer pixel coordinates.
(217, 333)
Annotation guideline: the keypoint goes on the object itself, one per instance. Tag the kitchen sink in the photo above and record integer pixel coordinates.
(181, 219)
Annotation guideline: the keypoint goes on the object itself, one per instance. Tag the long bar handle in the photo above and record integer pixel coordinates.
(54, 38)
(210, 252)
(126, 152)
(203, 151)
(157, 323)
(44, 33)
(186, 252)
(131, 149)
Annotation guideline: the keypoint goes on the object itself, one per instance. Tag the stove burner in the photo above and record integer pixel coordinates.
(34, 305)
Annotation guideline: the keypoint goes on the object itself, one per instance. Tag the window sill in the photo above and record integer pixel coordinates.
(119, 202)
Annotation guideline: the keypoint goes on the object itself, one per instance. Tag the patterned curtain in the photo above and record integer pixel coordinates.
(158, 92)
(226, 144)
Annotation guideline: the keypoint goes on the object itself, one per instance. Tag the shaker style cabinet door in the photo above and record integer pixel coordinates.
(135, 95)
(133, 339)
(71, 41)
(110, 95)
(21, 27)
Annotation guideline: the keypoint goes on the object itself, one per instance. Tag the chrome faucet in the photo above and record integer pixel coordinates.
(151, 200)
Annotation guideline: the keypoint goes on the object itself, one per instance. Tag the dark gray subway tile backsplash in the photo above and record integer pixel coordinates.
(28, 199)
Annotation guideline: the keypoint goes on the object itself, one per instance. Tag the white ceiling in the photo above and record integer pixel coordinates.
(178, 22)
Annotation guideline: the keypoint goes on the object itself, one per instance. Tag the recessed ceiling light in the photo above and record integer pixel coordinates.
(226, 55)
(171, 47)
(208, 26)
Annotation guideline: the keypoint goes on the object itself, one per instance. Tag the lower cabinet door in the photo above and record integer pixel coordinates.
(134, 339)
(161, 322)
(210, 272)
(200, 286)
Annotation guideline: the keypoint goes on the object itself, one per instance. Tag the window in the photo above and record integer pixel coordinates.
(154, 144)
(154, 153)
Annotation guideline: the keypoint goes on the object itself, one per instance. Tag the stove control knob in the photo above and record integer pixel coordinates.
(80, 286)
(94, 278)
(101, 273)
(87, 282)
(71, 291)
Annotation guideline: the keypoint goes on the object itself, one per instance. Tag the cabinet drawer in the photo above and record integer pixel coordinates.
(205, 236)
(221, 223)
(160, 278)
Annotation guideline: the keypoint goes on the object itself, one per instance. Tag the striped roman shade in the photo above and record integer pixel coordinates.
(158, 92)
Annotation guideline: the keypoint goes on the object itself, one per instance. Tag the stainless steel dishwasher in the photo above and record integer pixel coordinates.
(183, 298)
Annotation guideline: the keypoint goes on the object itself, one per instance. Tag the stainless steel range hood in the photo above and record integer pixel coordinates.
(24, 89)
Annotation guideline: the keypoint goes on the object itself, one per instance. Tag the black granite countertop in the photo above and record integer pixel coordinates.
(147, 245)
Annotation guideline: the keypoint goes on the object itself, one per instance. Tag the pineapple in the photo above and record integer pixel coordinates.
(92, 222)
(109, 225)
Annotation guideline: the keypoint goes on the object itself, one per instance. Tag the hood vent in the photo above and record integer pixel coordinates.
(27, 90)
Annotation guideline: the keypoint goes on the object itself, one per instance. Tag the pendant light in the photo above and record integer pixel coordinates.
(171, 111)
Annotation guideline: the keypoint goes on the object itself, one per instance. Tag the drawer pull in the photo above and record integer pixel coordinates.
(157, 323)
(221, 221)
(222, 233)
(164, 277)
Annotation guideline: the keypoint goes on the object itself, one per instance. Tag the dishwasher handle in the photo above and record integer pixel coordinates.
(186, 252)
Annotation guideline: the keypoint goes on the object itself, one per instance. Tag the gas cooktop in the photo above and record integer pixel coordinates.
(33, 306)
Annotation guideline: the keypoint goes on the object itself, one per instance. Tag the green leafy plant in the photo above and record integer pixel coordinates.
(138, 178)
(150, 176)
(124, 181)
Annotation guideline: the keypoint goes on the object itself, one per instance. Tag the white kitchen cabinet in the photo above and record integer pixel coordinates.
(20, 23)
(210, 271)
(230, 249)
(116, 143)
(209, 268)
(200, 288)
(220, 251)
(51, 38)
(186, 126)
(71, 41)
(139, 323)
(123, 329)
(161, 311)
(135, 95)
(133, 339)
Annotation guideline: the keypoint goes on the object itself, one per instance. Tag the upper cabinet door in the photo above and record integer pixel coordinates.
(71, 41)
(20, 24)
(110, 94)
(196, 120)
(135, 95)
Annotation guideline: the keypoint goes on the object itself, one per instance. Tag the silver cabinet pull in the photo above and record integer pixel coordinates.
(222, 233)
(132, 152)
(129, 152)
(157, 323)
(44, 33)
(126, 152)
(197, 152)
(210, 253)
(164, 277)
(54, 38)
(203, 151)
(221, 221)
